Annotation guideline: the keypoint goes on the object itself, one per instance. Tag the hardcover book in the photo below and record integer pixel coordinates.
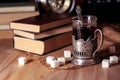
(43, 45)
(56, 31)
(6, 18)
(17, 7)
(41, 23)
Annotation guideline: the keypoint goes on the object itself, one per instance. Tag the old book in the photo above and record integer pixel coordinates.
(15, 1)
(17, 7)
(41, 23)
(43, 45)
(6, 18)
(56, 31)
(4, 27)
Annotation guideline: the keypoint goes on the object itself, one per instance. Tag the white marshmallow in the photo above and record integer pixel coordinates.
(49, 59)
(113, 59)
(112, 49)
(61, 60)
(54, 64)
(105, 63)
(67, 53)
(22, 60)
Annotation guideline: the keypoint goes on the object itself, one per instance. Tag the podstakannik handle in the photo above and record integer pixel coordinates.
(101, 41)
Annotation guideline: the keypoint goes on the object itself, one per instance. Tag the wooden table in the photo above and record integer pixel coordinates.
(35, 70)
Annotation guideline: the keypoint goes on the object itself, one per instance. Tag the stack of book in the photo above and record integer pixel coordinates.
(17, 7)
(8, 17)
(42, 34)
(11, 10)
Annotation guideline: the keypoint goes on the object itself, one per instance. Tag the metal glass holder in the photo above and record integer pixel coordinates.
(86, 61)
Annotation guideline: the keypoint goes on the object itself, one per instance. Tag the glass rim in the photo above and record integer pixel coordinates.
(83, 16)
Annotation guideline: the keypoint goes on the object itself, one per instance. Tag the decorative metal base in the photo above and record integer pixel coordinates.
(92, 61)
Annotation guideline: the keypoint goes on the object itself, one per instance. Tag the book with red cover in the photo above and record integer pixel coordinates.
(41, 23)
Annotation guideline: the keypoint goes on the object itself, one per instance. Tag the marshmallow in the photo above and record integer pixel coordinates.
(49, 59)
(22, 60)
(112, 49)
(113, 59)
(105, 63)
(67, 53)
(61, 60)
(54, 64)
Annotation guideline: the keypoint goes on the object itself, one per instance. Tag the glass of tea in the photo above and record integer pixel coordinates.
(84, 40)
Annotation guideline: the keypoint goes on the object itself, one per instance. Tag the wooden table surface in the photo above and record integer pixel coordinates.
(35, 69)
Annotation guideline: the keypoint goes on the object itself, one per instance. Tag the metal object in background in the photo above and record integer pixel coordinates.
(57, 6)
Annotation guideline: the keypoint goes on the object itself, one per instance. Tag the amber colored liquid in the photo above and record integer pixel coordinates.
(84, 32)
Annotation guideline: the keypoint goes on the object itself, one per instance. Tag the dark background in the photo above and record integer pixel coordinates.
(106, 11)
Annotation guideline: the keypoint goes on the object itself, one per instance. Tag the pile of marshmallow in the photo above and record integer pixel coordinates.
(106, 63)
(57, 62)
(60, 61)
(51, 60)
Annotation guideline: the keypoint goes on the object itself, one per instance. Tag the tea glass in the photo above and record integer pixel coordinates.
(84, 40)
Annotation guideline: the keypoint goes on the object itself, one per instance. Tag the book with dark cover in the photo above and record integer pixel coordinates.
(41, 23)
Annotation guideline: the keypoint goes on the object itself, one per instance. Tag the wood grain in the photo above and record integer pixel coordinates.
(35, 70)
